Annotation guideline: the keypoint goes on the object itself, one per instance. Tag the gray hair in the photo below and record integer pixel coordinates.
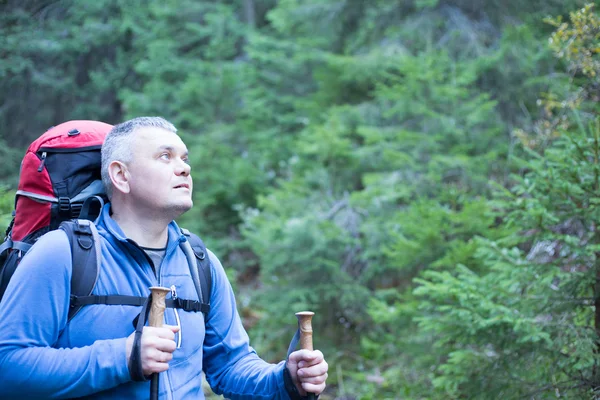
(118, 144)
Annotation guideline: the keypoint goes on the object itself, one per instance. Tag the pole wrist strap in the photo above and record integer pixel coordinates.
(135, 360)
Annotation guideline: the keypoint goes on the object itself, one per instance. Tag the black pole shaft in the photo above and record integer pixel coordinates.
(154, 387)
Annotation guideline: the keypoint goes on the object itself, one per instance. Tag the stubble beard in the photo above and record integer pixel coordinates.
(177, 210)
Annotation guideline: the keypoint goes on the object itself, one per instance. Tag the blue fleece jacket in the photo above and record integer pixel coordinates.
(43, 356)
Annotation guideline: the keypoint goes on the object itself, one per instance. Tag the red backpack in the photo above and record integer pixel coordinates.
(61, 169)
(59, 180)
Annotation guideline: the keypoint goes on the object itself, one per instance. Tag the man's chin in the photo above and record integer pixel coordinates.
(182, 208)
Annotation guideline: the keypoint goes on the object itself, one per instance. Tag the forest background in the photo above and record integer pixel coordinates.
(423, 174)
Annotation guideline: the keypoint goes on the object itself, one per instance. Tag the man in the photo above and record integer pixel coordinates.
(146, 172)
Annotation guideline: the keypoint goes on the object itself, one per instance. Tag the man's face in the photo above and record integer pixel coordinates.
(160, 181)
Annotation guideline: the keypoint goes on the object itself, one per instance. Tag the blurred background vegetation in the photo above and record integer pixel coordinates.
(423, 174)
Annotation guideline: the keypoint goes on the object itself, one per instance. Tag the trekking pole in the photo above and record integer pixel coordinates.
(157, 314)
(306, 334)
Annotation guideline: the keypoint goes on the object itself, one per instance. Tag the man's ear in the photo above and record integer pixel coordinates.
(119, 176)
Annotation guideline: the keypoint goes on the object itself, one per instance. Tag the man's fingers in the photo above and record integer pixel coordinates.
(312, 388)
(165, 331)
(306, 355)
(155, 360)
(157, 340)
(165, 345)
(162, 356)
(173, 328)
(155, 355)
(156, 367)
(314, 371)
(315, 378)
(314, 383)
(306, 358)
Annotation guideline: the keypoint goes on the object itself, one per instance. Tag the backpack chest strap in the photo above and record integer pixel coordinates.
(120, 300)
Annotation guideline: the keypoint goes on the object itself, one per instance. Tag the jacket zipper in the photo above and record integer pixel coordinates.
(174, 297)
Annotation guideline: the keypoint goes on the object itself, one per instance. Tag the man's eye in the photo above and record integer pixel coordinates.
(165, 156)
(186, 160)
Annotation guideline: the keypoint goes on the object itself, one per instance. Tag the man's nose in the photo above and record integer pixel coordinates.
(183, 168)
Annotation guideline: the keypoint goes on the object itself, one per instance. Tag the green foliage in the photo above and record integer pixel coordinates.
(396, 149)
(59, 63)
(7, 203)
(528, 312)
(523, 324)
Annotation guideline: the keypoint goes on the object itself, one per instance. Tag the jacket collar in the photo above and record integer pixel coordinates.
(106, 222)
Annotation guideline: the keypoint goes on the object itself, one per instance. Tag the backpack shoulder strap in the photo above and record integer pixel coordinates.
(200, 267)
(85, 257)
(91, 208)
(11, 254)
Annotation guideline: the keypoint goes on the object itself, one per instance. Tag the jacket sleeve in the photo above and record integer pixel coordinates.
(33, 313)
(232, 367)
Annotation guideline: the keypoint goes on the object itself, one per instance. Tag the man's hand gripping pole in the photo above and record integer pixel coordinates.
(306, 334)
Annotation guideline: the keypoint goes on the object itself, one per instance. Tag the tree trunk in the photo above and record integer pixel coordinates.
(249, 13)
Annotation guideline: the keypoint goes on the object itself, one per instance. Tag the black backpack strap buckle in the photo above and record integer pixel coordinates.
(82, 227)
(74, 301)
(84, 234)
(64, 207)
(188, 305)
(191, 305)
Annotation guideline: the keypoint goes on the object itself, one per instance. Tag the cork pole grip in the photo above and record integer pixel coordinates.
(306, 332)
(157, 309)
